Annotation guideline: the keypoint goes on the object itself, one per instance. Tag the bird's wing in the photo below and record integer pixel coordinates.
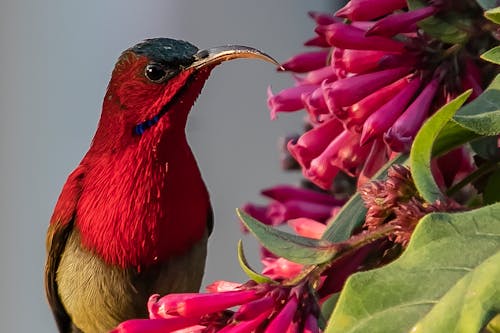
(60, 228)
(210, 219)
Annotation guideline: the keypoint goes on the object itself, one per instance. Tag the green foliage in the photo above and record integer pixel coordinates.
(492, 14)
(492, 55)
(252, 274)
(449, 27)
(292, 247)
(446, 280)
(492, 190)
(482, 115)
(421, 151)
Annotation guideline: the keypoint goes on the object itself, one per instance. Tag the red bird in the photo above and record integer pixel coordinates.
(133, 218)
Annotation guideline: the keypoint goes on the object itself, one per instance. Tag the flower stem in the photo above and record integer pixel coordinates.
(354, 243)
(478, 173)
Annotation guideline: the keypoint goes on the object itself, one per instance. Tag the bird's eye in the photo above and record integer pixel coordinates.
(155, 72)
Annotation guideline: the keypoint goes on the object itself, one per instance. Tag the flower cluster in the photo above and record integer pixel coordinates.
(291, 202)
(372, 84)
(396, 201)
(261, 308)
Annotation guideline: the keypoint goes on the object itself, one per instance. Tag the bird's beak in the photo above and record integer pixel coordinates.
(216, 55)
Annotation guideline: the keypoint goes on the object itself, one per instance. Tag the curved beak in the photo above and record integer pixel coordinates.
(216, 55)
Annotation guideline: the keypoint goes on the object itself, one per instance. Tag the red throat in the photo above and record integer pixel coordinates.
(142, 197)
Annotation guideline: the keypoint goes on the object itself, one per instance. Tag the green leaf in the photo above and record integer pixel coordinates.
(492, 55)
(328, 305)
(487, 148)
(491, 191)
(451, 136)
(492, 14)
(421, 150)
(295, 248)
(482, 115)
(257, 277)
(445, 281)
(450, 27)
(352, 215)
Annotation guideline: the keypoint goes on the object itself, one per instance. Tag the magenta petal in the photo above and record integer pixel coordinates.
(281, 322)
(363, 10)
(357, 61)
(382, 119)
(315, 105)
(342, 153)
(305, 62)
(324, 18)
(291, 209)
(283, 193)
(252, 309)
(280, 268)
(472, 79)
(222, 286)
(247, 326)
(318, 41)
(307, 227)
(349, 155)
(311, 325)
(314, 141)
(210, 303)
(288, 99)
(376, 159)
(345, 92)
(319, 75)
(403, 131)
(154, 325)
(164, 307)
(356, 114)
(400, 22)
(348, 37)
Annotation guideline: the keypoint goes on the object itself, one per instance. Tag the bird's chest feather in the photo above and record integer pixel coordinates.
(136, 209)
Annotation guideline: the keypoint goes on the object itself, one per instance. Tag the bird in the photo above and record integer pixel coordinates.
(134, 216)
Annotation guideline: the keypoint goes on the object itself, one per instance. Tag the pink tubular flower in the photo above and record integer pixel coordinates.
(348, 91)
(344, 153)
(221, 286)
(281, 322)
(349, 37)
(373, 55)
(361, 10)
(291, 209)
(382, 119)
(306, 62)
(197, 304)
(280, 268)
(247, 326)
(355, 115)
(289, 99)
(357, 61)
(315, 105)
(311, 325)
(258, 212)
(260, 306)
(400, 136)
(319, 75)
(283, 193)
(400, 22)
(307, 227)
(154, 325)
(377, 157)
(312, 143)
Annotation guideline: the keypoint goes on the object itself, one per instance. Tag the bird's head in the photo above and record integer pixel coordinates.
(154, 85)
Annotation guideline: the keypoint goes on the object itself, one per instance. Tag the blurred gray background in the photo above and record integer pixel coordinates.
(56, 59)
